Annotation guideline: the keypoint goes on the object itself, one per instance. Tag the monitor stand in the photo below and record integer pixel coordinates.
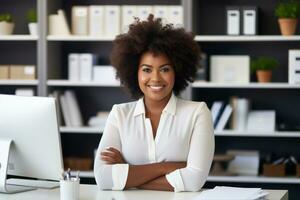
(4, 157)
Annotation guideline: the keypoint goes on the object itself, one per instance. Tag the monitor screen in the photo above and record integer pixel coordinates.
(31, 124)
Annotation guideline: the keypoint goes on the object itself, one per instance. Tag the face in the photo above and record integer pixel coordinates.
(156, 77)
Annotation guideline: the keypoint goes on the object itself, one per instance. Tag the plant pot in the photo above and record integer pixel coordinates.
(6, 28)
(264, 76)
(33, 28)
(287, 26)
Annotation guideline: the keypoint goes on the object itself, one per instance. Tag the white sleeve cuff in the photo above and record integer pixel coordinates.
(119, 176)
(174, 178)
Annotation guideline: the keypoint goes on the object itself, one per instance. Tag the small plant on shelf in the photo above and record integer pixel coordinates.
(288, 13)
(263, 67)
(32, 21)
(6, 24)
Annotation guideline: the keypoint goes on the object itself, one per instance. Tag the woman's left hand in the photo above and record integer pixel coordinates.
(112, 156)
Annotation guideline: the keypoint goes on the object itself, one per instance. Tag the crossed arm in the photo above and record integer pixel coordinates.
(149, 176)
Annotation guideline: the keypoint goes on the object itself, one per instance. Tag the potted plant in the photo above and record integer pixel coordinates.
(32, 21)
(6, 24)
(288, 13)
(263, 67)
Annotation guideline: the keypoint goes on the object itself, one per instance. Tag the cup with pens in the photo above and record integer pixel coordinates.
(69, 186)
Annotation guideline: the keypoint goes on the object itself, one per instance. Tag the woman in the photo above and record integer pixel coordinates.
(159, 142)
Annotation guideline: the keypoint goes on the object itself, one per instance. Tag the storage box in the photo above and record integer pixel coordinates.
(274, 170)
(105, 75)
(4, 71)
(83, 164)
(22, 72)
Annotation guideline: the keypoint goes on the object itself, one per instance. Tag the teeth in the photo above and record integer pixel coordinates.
(156, 87)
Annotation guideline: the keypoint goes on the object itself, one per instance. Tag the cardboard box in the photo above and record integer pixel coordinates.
(4, 71)
(27, 72)
(83, 164)
(274, 170)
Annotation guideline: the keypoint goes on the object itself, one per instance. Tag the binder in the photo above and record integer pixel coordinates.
(86, 66)
(74, 67)
(294, 66)
(161, 12)
(143, 12)
(175, 15)
(96, 20)
(233, 20)
(80, 20)
(224, 118)
(112, 20)
(250, 20)
(128, 14)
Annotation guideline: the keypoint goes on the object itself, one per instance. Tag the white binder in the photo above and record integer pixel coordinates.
(112, 20)
(175, 15)
(80, 20)
(294, 66)
(249, 21)
(96, 20)
(86, 67)
(73, 67)
(161, 12)
(128, 14)
(233, 21)
(144, 11)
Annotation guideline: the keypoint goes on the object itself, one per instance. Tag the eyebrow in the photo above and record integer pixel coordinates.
(152, 66)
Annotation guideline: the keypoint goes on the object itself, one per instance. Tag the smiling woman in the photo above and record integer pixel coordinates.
(160, 141)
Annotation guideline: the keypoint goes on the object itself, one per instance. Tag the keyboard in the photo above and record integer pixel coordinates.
(33, 183)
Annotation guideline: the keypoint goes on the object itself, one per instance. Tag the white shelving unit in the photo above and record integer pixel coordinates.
(242, 38)
(276, 134)
(89, 130)
(75, 38)
(18, 38)
(19, 82)
(202, 84)
(78, 84)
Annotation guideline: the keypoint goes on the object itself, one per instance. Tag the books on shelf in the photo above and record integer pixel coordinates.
(240, 110)
(224, 118)
(216, 111)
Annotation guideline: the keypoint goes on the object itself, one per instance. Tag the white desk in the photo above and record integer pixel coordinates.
(90, 192)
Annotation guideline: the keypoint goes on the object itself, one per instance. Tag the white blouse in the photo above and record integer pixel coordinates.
(184, 134)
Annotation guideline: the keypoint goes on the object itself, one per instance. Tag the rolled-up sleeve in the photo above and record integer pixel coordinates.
(110, 177)
(202, 146)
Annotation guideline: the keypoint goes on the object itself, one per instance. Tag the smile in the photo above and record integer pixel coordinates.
(156, 87)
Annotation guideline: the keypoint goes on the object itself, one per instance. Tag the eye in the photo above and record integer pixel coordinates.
(166, 68)
(146, 69)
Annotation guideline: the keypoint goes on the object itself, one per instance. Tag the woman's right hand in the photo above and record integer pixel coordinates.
(112, 156)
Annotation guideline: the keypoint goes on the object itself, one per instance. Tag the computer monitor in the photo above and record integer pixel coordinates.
(35, 150)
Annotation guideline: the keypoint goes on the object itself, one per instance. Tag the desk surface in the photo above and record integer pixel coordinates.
(90, 192)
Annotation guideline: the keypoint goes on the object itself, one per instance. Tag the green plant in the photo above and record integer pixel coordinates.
(289, 9)
(264, 63)
(31, 16)
(5, 17)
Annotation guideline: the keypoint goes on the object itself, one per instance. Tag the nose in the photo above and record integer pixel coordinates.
(155, 76)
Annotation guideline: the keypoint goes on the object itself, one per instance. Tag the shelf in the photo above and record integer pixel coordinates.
(230, 133)
(253, 179)
(67, 83)
(92, 130)
(75, 38)
(19, 82)
(202, 84)
(18, 38)
(245, 38)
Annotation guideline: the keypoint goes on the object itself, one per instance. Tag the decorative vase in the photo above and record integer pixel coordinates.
(33, 28)
(6, 28)
(264, 76)
(287, 26)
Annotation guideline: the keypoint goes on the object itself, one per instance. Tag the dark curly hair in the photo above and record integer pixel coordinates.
(151, 35)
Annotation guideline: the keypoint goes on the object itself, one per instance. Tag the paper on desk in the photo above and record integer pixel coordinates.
(231, 193)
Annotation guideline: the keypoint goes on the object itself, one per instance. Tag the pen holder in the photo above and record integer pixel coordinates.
(69, 189)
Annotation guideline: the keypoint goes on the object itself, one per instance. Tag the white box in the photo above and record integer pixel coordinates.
(143, 12)
(233, 21)
(86, 66)
(261, 121)
(74, 67)
(128, 14)
(175, 15)
(96, 20)
(294, 66)
(112, 24)
(80, 20)
(161, 12)
(249, 21)
(105, 75)
(230, 69)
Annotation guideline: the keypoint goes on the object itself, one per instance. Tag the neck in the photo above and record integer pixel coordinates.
(156, 107)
